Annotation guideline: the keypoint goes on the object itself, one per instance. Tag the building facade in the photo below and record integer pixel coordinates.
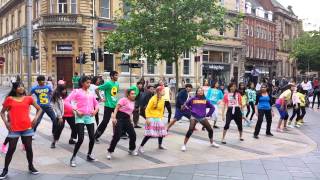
(260, 42)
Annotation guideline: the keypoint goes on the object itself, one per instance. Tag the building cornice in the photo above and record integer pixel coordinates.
(9, 5)
(259, 18)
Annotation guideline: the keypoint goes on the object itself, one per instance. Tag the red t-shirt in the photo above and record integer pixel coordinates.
(232, 101)
(19, 113)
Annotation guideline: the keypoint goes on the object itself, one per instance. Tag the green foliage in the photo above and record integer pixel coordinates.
(306, 49)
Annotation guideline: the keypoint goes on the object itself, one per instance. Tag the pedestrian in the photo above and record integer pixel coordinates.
(146, 96)
(306, 86)
(75, 80)
(44, 93)
(198, 106)
(110, 89)
(232, 102)
(316, 92)
(95, 82)
(263, 107)
(19, 124)
(154, 127)
(86, 108)
(215, 96)
(281, 104)
(122, 123)
(138, 98)
(167, 99)
(251, 94)
(181, 111)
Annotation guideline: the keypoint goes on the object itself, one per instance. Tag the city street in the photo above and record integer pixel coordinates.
(292, 155)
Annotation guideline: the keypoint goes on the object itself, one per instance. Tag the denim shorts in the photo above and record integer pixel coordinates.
(16, 134)
(85, 119)
(198, 119)
(282, 112)
(180, 113)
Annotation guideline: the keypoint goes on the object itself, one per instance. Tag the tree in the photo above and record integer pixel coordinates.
(165, 29)
(306, 50)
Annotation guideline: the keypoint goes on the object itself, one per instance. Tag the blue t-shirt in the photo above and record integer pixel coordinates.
(214, 96)
(264, 103)
(43, 94)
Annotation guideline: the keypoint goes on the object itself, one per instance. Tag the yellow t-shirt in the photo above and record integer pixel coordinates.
(286, 95)
(244, 100)
(166, 96)
(155, 107)
(302, 99)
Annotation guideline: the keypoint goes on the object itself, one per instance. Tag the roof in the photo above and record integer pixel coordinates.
(254, 3)
(277, 4)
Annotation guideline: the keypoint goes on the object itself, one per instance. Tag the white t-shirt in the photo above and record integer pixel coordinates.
(306, 86)
(92, 90)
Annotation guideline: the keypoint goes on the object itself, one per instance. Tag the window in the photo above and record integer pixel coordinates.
(62, 6)
(169, 68)
(237, 30)
(19, 18)
(186, 62)
(247, 30)
(108, 62)
(105, 8)
(238, 5)
(222, 2)
(73, 6)
(150, 67)
(125, 59)
(12, 22)
(205, 56)
(226, 57)
(251, 51)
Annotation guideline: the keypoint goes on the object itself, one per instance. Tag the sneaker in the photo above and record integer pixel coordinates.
(184, 148)
(137, 126)
(53, 145)
(72, 141)
(133, 153)
(109, 156)
(90, 158)
(141, 150)
(298, 126)
(4, 174)
(33, 170)
(289, 123)
(85, 130)
(4, 149)
(291, 126)
(161, 147)
(213, 144)
(73, 162)
(256, 136)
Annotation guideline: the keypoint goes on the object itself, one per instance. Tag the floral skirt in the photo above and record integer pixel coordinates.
(156, 128)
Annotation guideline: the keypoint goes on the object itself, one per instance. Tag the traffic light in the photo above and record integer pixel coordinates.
(77, 60)
(34, 53)
(93, 56)
(83, 59)
(100, 55)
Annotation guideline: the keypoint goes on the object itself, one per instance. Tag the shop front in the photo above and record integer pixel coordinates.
(216, 72)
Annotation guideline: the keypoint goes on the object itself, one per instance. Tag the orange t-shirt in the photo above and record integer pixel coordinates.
(19, 113)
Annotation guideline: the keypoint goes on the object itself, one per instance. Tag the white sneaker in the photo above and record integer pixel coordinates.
(291, 126)
(213, 144)
(183, 148)
(109, 156)
(133, 153)
(141, 150)
(298, 126)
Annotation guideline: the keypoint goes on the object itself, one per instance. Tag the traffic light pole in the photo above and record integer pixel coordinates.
(81, 63)
(29, 42)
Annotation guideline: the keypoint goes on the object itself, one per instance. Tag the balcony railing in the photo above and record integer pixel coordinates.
(61, 21)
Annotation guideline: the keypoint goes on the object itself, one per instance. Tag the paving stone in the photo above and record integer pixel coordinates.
(184, 169)
(49, 177)
(210, 166)
(247, 176)
(279, 175)
(253, 168)
(102, 177)
(230, 172)
(180, 176)
(230, 164)
(204, 177)
(274, 165)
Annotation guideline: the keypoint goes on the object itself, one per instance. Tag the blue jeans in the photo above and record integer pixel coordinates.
(49, 111)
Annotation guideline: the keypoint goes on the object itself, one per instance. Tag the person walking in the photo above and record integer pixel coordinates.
(263, 107)
(232, 102)
(110, 89)
(86, 108)
(316, 93)
(198, 106)
(122, 123)
(154, 127)
(19, 124)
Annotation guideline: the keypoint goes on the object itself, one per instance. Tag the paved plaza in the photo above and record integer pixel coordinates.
(291, 155)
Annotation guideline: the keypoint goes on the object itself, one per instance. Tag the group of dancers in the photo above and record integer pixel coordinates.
(80, 110)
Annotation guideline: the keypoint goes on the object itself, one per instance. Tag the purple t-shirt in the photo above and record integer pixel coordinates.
(126, 105)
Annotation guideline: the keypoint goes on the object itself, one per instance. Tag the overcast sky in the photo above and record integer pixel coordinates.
(307, 10)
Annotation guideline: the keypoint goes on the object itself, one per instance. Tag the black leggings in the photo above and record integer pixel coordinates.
(168, 106)
(80, 129)
(251, 104)
(205, 123)
(302, 113)
(296, 111)
(316, 93)
(237, 117)
(27, 142)
(104, 123)
(146, 138)
(123, 125)
(261, 114)
(6, 141)
(97, 115)
(59, 128)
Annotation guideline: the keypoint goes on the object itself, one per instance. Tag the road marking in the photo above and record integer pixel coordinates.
(142, 176)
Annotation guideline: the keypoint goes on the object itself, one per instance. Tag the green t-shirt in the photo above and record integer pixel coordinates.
(75, 81)
(110, 90)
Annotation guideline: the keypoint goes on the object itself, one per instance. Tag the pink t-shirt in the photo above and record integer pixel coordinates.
(85, 101)
(232, 101)
(126, 105)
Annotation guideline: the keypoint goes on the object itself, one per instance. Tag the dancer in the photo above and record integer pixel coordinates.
(302, 98)
(146, 96)
(86, 108)
(244, 103)
(251, 94)
(215, 97)
(122, 122)
(264, 108)
(232, 102)
(281, 104)
(43, 93)
(111, 89)
(95, 82)
(198, 106)
(181, 111)
(138, 100)
(167, 98)
(19, 124)
(296, 109)
(154, 127)
(69, 117)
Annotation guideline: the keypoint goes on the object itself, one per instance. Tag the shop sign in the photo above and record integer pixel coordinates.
(64, 47)
(217, 67)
